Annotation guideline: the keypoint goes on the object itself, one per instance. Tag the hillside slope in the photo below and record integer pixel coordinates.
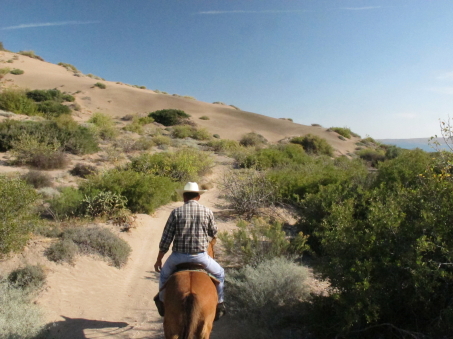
(119, 99)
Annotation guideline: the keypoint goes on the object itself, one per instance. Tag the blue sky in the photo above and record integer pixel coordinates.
(384, 68)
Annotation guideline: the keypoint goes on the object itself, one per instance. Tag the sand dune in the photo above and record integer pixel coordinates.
(120, 99)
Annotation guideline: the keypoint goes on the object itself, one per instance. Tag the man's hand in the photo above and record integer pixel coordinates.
(158, 265)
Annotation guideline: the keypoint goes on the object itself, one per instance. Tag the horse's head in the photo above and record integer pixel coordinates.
(211, 248)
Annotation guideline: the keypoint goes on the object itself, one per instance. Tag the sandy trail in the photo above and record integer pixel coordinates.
(94, 300)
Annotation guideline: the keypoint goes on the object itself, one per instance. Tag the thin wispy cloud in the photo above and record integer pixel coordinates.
(442, 90)
(367, 8)
(252, 12)
(446, 76)
(47, 24)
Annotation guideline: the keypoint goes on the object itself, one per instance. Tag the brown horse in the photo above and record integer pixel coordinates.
(190, 304)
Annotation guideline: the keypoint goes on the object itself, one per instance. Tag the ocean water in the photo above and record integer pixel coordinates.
(421, 143)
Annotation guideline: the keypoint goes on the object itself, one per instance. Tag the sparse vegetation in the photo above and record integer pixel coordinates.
(18, 211)
(95, 77)
(313, 144)
(29, 278)
(37, 179)
(100, 85)
(344, 131)
(253, 139)
(169, 117)
(69, 67)
(204, 117)
(223, 145)
(17, 71)
(30, 54)
(4, 71)
(186, 131)
(105, 126)
(16, 101)
(83, 170)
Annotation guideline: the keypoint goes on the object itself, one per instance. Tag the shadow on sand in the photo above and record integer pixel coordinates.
(74, 328)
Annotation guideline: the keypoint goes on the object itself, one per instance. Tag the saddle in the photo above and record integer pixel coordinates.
(194, 267)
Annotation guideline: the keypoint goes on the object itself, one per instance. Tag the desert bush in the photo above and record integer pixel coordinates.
(97, 240)
(393, 152)
(136, 126)
(186, 131)
(104, 126)
(294, 181)
(4, 71)
(237, 108)
(72, 137)
(276, 156)
(144, 192)
(18, 211)
(100, 85)
(2, 48)
(143, 144)
(19, 317)
(52, 108)
(183, 165)
(37, 179)
(17, 71)
(160, 140)
(259, 240)
(94, 77)
(16, 101)
(223, 145)
(40, 95)
(216, 136)
(62, 251)
(169, 117)
(83, 170)
(248, 191)
(372, 156)
(218, 103)
(30, 54)
(104, 204)
(45, 154)
(68, 204)
(30, 277)
(204, 117)
(69, 67)
(266, 297)
(313, 144)
(252, 139)
(344, 131)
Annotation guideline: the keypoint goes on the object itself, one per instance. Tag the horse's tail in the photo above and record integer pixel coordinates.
(191, 316)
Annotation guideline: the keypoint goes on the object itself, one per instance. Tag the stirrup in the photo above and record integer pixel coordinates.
(220, 311)
(159, 305)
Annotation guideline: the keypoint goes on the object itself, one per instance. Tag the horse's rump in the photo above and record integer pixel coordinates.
(190, 305)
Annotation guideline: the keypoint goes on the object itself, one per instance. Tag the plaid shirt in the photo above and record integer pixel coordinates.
(189, 226)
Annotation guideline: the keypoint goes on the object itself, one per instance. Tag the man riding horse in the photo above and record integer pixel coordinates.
(188, 227)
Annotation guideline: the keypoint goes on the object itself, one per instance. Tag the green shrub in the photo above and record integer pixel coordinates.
(18, 211)
(4, 71)
(314, 145)
(100, 85)
(204, 117)
(169, 117)
(68, 204)
(160, 140)
(266, 298)
(17, 101)
(17, 71)
(45, 154)
(252, 139)
(52, 108)
(277, 156)
(30, 54)
(19, 317)
(29, 278)
(371, 155)
(393, 152)
(101, 241)
(40, 95)
(104, 204)
(144, 192)
(260, 240)
(104, 126)
(143, 144)
(223, 145)
(183, 165)
(216, 136)
(94, 77)
(186, 131)
(37, 179)
(344, 131)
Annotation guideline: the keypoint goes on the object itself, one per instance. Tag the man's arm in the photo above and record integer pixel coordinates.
(212, 227)
(167, 237)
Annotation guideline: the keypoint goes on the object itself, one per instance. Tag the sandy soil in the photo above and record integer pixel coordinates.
(119, 99)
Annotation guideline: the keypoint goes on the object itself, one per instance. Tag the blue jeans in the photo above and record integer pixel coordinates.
(209, 264)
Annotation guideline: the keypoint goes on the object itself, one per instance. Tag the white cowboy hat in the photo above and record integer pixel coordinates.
(191, 187)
